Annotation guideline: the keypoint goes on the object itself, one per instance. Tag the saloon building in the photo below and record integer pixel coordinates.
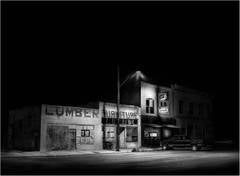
(54, 127)
(167, 111)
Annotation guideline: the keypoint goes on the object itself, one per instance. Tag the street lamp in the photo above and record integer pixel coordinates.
(138, 75)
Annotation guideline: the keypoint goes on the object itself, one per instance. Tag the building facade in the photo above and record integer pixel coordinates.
(54, 127)
(148, 115)
(129, 125)
(168, 111)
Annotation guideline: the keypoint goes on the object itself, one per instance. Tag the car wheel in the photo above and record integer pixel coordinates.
(194, 148)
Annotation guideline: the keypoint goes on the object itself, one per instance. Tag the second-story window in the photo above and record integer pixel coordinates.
(191, 108)
(180, 106)
(200, 109)
(150, 106)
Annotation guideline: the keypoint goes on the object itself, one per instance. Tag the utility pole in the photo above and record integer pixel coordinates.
(118, 102)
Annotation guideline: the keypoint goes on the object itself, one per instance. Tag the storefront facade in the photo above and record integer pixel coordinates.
(129, 125)
(70, 128)
(168, 111)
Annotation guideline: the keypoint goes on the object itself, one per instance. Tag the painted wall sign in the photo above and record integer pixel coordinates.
(66, 111)
(123, 115)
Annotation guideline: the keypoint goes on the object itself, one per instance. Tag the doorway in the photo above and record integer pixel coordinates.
(72, 137)
(122, 137)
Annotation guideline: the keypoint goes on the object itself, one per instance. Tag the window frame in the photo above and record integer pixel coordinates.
(150, 109)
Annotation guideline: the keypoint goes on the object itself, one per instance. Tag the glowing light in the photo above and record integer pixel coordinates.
(139, 74)
(153, 134)
(167, 133)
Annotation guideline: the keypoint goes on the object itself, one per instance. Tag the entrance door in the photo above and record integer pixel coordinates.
(72, 137)
(122, 137)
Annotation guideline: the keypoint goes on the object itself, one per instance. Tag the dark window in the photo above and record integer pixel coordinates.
(20, 125)
(189, 130)
(82, 133)
(200, 108)
(208, 109)
(135, 121)
(150, 106)
(190, 108)
(180, 108)
(85, 133)
(29, 120)
(132, 134)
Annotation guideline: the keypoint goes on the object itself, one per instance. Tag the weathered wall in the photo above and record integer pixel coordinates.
(195, 124)
(83, 120)
(127, 112)
(24, 128)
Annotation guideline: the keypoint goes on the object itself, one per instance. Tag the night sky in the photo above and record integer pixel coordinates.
(67, 53)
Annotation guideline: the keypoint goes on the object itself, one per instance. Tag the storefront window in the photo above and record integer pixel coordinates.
(110, 132)
(132, 134)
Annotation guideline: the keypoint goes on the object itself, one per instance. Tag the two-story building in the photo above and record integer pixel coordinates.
(166, 111)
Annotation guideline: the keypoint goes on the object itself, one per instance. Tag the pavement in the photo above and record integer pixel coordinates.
(126, 162)
(66, 153)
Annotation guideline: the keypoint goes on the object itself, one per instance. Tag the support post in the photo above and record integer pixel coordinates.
(118, 102)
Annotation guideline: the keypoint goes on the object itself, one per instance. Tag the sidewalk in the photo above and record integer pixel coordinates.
(146, 149)
(58, 153)
(67, 153)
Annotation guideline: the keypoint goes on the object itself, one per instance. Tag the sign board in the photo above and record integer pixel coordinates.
(163, 110)
(163, 96)
(125, 112)
(66, 111)
(123, 115)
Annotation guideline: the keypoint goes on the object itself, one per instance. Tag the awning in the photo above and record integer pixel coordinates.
(171, 126)
(153, 125)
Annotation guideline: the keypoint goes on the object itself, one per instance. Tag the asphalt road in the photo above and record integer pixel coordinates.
(161, 162)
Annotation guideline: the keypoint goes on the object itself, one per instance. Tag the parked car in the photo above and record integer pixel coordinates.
(182, 142)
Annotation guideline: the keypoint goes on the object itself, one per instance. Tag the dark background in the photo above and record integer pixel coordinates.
(66, 53)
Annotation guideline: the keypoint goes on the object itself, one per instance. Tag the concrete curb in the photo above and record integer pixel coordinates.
(72, 153)
(54, 154)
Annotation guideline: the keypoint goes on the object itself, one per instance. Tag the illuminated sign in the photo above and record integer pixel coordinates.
(70, 111)
(163, 109)
(162, 96)
(153, 134)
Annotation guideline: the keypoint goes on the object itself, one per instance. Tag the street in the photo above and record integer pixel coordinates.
(160, 162)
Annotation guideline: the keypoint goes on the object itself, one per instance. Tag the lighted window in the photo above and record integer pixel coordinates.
(150, 106)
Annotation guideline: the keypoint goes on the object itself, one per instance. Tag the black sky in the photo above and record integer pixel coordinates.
(66, 53)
